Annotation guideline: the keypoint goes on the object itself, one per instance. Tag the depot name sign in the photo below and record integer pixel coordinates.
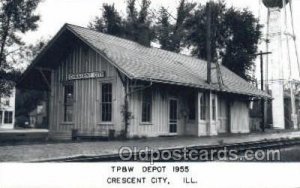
(87, 75)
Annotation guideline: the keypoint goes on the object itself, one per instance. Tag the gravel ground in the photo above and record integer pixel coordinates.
(36, 152)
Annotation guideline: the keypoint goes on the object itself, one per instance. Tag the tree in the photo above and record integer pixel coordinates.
(110, 22)
(171, 36)
(197, 30)
(136, 26)
(130, 23)
(138, 23)
(27, 100)
(145, 31)
(164, 30)
(183, 12)
(235, 36)
(7, 81)
(15, 16)
(234, 33)
(241, 45)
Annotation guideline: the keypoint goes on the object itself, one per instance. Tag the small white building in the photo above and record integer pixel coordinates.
(7, 111)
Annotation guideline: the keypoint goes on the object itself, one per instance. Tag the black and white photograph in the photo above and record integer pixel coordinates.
(153, 93)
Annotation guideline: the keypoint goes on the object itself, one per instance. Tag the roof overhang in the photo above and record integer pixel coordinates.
(38, 74)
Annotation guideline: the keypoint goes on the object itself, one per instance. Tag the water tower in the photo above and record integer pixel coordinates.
(278, 67)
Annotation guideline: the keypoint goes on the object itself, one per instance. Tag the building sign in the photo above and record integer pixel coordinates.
(87, 75)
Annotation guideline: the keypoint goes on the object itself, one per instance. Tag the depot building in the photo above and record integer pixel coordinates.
(98, 83)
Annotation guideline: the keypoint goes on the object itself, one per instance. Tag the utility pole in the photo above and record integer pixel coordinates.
(208, 41)
(293, 106)
(209, 59)
(263, 101)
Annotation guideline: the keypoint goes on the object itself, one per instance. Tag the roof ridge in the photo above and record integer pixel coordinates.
(93, 30)
(133, 42)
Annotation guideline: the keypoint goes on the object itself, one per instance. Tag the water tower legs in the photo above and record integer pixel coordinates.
(277, 105)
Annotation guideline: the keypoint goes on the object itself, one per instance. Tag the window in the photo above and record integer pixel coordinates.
(68, 103)
(214, 113)
(8, 117)
(192, 107)
(203, 107)
(7, 102)
(1, 116)
(146, 106)
(106, 102)
(173, 115)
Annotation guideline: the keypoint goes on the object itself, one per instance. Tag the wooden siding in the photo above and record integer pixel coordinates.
(86, 113)
(239, 117)
(159, 125)
(224, 111)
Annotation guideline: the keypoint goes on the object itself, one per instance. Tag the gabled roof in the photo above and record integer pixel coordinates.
(157, 65)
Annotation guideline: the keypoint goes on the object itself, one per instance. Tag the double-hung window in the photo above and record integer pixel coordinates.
(214, 107)
(1, 117)
(147, 106)
(8, 117)
(68, 103)
(203, 107)
(7, 103)
(106, 102)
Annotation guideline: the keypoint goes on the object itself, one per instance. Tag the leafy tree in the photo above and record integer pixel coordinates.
(197, 30)
(131, 23)
(16, 16)
(164, 30)
(138, 23)
(234, 36)
(171, 36)
(241, 45)
(183, 12)
(234, 33)
(145, 31)
(97, 24)
(7, 81)
(136, 26)
(110, 22)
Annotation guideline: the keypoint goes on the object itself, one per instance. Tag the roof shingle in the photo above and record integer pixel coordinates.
(140, 62)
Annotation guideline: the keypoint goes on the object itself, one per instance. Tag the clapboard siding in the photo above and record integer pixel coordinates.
(82, 59)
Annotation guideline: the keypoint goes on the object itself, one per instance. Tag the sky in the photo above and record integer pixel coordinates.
(55, 13)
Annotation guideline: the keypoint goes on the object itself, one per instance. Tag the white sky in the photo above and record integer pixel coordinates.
(55, 13)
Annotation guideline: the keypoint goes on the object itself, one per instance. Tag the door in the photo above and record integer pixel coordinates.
(224, 117)
(173, 116)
